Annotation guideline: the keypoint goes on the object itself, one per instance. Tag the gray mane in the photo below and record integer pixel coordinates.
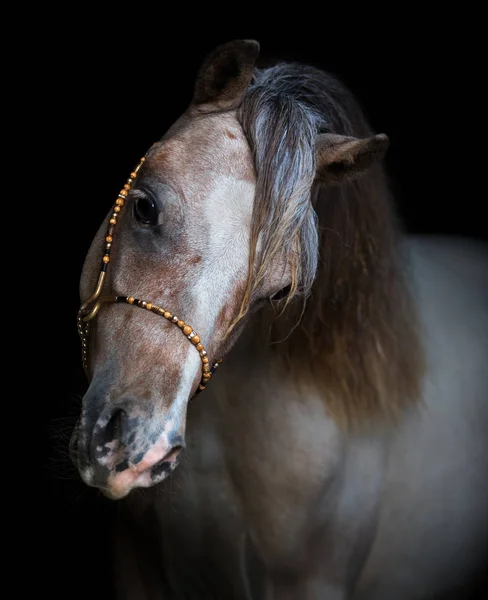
(349, 306)
(284, 109)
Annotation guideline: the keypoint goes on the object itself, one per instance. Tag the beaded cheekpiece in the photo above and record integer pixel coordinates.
(86, 314)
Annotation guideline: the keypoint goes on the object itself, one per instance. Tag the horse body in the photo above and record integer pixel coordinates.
(338, 453)
(271, 489)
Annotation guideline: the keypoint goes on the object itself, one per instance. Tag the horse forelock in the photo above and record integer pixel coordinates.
(352, 320)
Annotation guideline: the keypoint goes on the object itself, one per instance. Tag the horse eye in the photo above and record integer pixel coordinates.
(145, 211)
(282, 294)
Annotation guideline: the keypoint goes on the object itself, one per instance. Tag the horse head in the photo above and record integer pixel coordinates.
(203, 236)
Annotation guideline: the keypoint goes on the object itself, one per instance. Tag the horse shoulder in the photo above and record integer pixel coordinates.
(309, 495)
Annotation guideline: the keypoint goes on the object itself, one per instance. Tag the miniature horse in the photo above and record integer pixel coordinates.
(337, 452)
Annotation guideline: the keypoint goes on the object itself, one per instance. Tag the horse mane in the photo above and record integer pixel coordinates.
(348, 319)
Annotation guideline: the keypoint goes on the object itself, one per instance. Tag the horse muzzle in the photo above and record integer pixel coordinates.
(123, 450)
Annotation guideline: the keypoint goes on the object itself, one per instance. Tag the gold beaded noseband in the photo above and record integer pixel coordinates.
(88, 310)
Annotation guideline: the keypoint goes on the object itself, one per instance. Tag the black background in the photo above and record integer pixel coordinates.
(100, 92)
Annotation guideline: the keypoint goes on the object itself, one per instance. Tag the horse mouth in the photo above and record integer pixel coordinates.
(120, 483)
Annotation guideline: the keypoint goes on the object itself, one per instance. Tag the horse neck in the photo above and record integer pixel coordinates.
(261, 344)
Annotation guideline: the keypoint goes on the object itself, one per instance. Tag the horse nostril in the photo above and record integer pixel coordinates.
(167, 463)
(173, 452)
(114, 429)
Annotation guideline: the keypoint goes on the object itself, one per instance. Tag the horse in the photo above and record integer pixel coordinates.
(297, 409)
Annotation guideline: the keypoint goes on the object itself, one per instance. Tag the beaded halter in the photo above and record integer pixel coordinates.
(92, 305)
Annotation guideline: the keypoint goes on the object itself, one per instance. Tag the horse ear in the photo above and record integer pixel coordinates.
(224, 77)
(340, 158)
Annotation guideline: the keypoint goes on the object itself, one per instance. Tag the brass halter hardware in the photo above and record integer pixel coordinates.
(89, 309)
